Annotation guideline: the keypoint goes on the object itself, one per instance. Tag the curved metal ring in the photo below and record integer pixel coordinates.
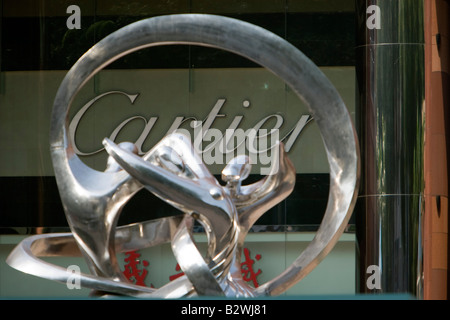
(271, 52)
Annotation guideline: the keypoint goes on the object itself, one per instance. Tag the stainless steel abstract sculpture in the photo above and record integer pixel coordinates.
(173, 171)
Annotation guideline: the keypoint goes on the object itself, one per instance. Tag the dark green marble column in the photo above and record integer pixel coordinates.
(390, 121)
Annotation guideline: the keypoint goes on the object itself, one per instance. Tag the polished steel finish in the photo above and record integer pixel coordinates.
(174, 172)
(391, 95)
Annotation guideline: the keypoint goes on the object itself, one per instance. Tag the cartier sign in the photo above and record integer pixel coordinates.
(204, 128)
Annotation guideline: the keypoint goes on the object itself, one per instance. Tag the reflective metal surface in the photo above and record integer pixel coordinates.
(391, 93)
(174, 172)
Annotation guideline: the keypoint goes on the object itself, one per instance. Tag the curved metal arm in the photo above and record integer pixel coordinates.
(204, 197)
(254, 199)
(25, 256)
(93, 200)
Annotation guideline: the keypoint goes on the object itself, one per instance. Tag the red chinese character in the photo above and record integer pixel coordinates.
(177, 268)
(131, 268)
(248, 273)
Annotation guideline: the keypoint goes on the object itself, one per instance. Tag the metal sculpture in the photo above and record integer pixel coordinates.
(173, 171)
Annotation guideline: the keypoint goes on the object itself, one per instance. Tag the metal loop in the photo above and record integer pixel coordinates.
(93, 200)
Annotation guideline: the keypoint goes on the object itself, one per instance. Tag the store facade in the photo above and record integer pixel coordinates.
(147, 94)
